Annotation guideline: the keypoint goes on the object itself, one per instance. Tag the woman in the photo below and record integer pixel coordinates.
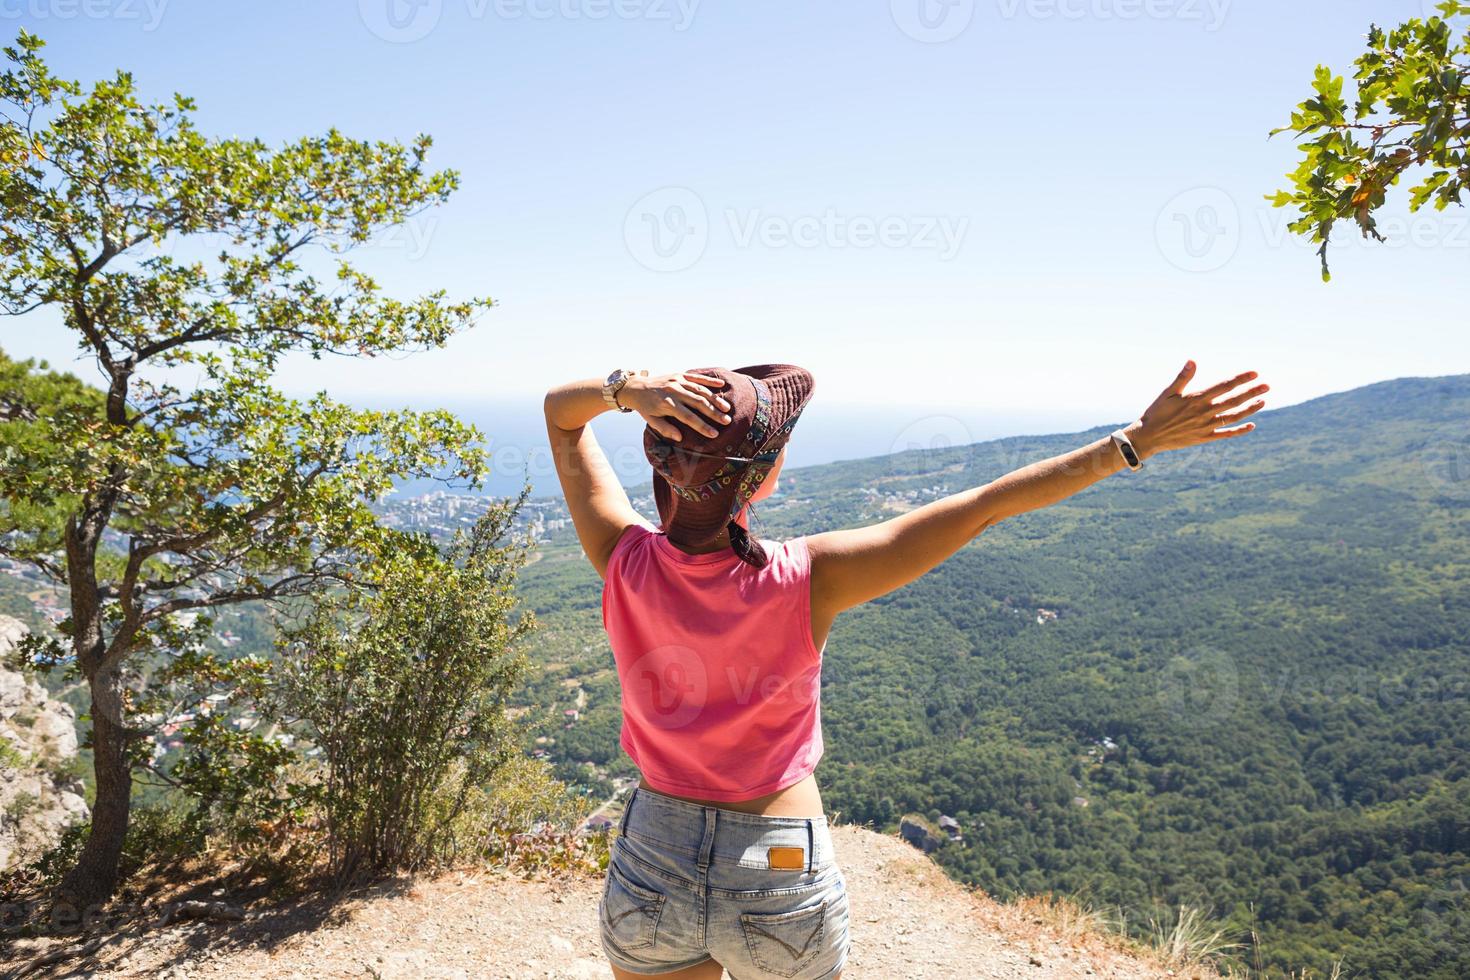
(723, 857)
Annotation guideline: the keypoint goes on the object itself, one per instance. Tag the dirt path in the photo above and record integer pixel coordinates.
(908, 920)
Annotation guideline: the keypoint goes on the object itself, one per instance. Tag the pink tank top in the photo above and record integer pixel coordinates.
(721, 687)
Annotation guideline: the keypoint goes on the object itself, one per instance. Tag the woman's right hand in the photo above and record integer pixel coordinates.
(688, 397)
(1177, 420)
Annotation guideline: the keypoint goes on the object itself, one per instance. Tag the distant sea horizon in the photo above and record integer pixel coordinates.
(515, 433)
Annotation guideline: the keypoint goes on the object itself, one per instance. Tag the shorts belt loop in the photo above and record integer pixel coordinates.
(707, 845)
(811, 846)
(627, 809)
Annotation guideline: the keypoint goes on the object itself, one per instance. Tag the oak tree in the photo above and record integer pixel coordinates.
(190, 482)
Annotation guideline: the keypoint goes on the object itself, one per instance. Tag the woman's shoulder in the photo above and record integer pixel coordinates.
(641, 530)
(789, 557)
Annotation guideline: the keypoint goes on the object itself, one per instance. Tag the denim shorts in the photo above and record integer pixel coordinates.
(760, 895)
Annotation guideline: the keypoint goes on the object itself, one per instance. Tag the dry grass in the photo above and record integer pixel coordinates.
(1188, 939)
(1067, 917)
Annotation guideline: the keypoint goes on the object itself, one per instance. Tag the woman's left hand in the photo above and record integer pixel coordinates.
(688, 397)
(1177, 420)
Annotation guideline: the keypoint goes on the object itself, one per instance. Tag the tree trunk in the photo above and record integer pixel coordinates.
(92, 882)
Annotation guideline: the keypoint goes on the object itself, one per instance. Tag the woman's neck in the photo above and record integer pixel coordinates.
(720, 542)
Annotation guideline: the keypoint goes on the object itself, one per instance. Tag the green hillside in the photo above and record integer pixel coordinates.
(1253, 695)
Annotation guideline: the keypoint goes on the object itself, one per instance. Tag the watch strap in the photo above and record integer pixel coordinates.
(614, 384)
(1126, 449)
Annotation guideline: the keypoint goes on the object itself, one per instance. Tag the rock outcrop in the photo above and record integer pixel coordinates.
(39, 796)
(919, 832)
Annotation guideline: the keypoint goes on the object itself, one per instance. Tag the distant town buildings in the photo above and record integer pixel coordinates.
(441, 513)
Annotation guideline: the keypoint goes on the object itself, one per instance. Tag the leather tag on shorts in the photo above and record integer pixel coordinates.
(786, 858)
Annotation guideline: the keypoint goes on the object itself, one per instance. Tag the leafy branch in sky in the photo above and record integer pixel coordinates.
(1411, 113)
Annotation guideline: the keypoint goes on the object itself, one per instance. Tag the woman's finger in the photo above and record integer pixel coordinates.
(1231, 433)
(1215, 391)
(1178, 384)
(1241, 398)
(666, 429)
(686, 415)
(696, 389)
(705, 404)
(1235, 417)
(708, 386)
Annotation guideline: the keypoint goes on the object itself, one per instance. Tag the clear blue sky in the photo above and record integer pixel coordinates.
(1041, 216)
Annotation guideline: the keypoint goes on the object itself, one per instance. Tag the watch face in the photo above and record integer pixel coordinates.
(612, 379)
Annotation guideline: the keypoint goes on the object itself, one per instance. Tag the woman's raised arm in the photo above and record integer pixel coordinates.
(852, 566)
(596, 499)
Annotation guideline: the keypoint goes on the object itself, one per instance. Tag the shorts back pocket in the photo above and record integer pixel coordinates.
(784, 942)
(629, 912)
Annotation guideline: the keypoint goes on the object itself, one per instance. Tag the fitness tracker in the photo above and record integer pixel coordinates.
(1125, 446)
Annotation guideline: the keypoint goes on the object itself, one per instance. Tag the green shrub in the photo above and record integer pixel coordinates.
(402, 690)
(160, 833)
(527, 822)
(12, 757)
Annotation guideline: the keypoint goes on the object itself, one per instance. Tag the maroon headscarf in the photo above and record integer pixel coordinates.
(700, 482)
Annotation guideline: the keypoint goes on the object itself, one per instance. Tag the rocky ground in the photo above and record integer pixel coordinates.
(38, 737)
(908, 920)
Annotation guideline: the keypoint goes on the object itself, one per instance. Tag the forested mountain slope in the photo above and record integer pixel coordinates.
(1237, 679)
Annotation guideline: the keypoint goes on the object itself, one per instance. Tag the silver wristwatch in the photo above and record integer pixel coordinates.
(1125, 447)
(613, 385)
